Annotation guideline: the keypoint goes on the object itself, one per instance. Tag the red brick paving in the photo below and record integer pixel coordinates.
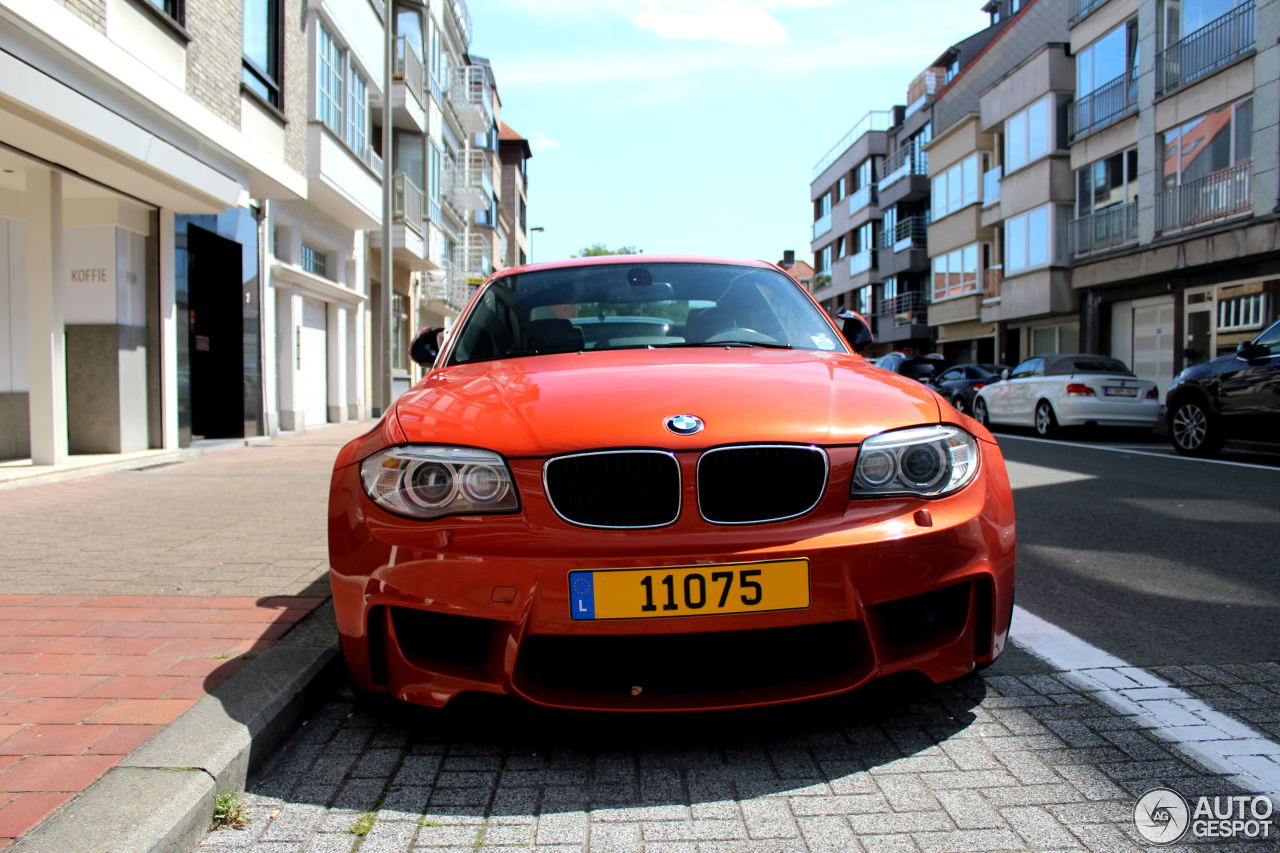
(85, 680)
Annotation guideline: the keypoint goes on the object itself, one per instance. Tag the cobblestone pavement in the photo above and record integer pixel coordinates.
(1002, 761)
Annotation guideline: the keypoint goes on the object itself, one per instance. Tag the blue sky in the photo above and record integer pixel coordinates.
(692, 127)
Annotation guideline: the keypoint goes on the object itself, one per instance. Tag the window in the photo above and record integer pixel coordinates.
(1110, 181)
(1045, 340)
(822, 261)
(840, 247)
(1107, 59)
(862, 300)
(262, 48)
(329, 97)
(399, 331)
(1030, 367)
(173, 8)
(315, 261)
(957, 187)
(357, 110)
(1208, 144)
(1027, 135)
(434, 177)
(342, 93)
(955, 273)
(1184, 17)
(864, 237)
(864, 175)
(889, 289)
(824, 205)
(1242, 312)
(1026, 240)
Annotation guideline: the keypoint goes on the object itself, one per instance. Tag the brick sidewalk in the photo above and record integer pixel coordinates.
(126, 597)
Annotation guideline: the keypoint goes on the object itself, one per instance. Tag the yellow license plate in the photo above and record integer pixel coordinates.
(689, 590)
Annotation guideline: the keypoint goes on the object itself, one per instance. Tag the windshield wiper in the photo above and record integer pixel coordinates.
(764, 344)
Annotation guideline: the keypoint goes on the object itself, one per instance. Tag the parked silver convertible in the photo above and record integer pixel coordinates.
(1069, 389)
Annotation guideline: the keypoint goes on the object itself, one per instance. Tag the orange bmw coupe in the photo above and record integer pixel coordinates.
(639, 483)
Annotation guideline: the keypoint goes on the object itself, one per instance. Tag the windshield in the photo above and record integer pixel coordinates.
(638, 305)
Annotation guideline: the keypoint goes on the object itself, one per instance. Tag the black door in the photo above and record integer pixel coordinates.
(216, 330)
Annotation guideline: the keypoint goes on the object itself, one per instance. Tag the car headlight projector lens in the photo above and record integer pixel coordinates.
(926, 461)
(426, 481)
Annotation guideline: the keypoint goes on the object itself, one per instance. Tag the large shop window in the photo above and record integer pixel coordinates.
(957, 187)
(1028, 134)
(955, 273)
(1027, 240)
(262, 45)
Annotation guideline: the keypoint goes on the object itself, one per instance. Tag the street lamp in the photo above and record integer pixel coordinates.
(538, 228)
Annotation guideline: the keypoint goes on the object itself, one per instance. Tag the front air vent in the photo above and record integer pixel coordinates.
(758, 483)
(614, 488)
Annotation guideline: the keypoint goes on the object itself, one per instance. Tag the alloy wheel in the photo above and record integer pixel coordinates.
(1045, 422)
(1189, 426)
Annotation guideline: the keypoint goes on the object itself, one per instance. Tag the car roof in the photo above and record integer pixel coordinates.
(635, 259)
(1064, 363)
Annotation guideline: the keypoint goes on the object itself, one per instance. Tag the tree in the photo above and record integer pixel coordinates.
(595, 250)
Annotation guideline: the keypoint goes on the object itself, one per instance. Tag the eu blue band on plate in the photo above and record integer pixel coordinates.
(582, 595)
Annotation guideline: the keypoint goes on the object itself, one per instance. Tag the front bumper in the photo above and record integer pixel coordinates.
(429, 610)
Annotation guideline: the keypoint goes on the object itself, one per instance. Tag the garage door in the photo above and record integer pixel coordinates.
(1142, 337)
(313, 363)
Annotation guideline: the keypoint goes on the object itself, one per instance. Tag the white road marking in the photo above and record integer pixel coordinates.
(1217, 741)
(1002, 436)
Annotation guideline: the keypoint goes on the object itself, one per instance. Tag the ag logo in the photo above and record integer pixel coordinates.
(1161, 816)
(684, 424)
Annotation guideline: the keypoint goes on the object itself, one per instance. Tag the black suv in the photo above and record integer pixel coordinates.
(1232, 396)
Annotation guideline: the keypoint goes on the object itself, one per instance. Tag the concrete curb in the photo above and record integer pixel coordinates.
(160, 798)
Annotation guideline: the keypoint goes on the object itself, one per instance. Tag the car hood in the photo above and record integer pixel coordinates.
(544, 405)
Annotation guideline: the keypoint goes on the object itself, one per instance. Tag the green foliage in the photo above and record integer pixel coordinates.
(363, 824)
(595, 250)
(228, 812)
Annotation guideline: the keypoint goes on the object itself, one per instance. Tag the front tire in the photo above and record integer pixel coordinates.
(980, 413)
(958, 402)
(1046, 420)
(1193, 431)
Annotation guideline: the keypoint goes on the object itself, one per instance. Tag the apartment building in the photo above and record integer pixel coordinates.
(1173, 238)
(191, 210)
(514, 153)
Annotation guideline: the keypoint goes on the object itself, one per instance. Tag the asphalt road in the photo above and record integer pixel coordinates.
(1154, 558)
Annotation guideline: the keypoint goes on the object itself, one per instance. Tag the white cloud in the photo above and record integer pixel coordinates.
(539, 141)
(722, 21)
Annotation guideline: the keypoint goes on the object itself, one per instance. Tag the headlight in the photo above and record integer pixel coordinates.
(927, 461)
(428, 482)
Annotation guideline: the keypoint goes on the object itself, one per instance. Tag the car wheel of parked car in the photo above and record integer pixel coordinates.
(1193, 431)
(980, 413)
(958, 402)
(1046, 421)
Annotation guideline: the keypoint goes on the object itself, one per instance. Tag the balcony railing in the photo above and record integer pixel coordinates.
(408, 67)
(1081, 9)
(874, 120)
(821, 225)
(907, 160)
(909, 233)
(1104, 229)
(1207, 49)
(991, 278)
(905, 309)
(1104, 105)
(991, 185)
(373, 160)
(862, 261)
(475, 258)
(456, 290)
(1224, 193)
(470, 93)
(406, 203)
(471, 180)
(862, 198)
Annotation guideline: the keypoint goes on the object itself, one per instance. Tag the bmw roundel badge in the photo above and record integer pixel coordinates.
(684, 424)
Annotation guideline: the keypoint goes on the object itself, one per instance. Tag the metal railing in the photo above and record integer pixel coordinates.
(907, 160)
(1081, 9)
(373, 160)
(909, 233)
(874, 120)
(991, 185)
(406, 203)
(861, 198)
(905, 309)
(474, 257)
(1224, 193)
(991, 278)
(861, 262)
(470, 93)
(1104, 229)
(1104, 105)
(408, 67)
(1212, 46)
(821, 225)
(471, 180)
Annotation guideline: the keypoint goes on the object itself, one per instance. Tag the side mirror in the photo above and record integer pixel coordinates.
(1004, 375)
(856, 330)
(426, 346)
(1248, 350)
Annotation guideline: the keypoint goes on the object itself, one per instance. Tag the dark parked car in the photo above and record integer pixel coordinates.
(958, 384)
(1232, 396)
(921, 367)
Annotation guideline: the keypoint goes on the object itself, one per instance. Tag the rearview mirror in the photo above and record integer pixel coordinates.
(426, 346)
(856, 330)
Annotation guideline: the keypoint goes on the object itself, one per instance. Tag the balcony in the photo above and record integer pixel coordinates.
(906, 234)
(1221, 195)
(922, 89)
(1105, 105)
(902, 311)
(874, 120)
(862, 198)
(447, 289)
(906, 176)
(474, 258)
(862, 262)
(822, 225)
(1204, 51)
(407, 106)
(1081, 9)
(346, 184)
(407, 244)
(1108, 228)
(471, 95)
(471, 180)
(991, 185)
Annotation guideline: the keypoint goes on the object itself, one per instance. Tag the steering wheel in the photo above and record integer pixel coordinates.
(740, 333)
